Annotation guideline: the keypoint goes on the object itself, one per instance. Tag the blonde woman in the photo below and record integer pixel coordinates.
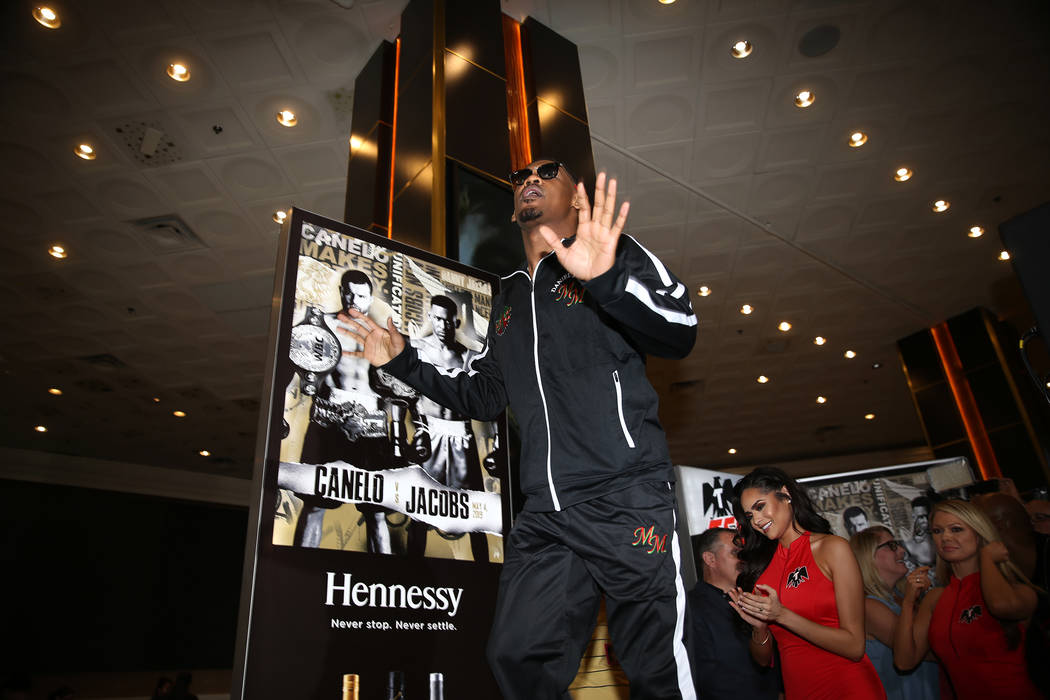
(974, 624)
(882, 564)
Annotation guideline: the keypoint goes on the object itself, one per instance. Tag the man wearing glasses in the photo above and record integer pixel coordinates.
(566, 349)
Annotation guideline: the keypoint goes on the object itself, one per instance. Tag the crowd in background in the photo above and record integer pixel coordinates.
(785, 608)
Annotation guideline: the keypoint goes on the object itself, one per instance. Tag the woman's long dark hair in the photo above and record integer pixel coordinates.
(756, 550)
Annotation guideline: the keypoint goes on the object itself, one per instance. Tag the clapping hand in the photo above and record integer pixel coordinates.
(594, 250)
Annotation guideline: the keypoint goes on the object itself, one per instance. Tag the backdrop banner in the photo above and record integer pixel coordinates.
(379, 519)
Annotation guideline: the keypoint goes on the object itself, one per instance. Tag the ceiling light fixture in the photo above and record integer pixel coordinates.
(355, 142)
(857, 139)
(47, 17)
(57, 251)
(820, 340)
(941, 205)
(876, 365)
(784, 326)
(975, 232)
(742, 49)
(204, 453)
(762, 379)
(746, 309)
(286, 117)
(179, 414)
(805, 98)
(821, 399)
(178, 72)
(667, 2)
(732, 450)
(156, 399)
(1004, 255)
(40, 429)
(704, 291)
(902, 174)
(280, 215)
(54, 391)
(85, 151)
(869, 416)
(849, 354)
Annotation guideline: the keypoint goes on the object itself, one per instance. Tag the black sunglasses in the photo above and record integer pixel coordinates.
(894, 545)
(547, 171)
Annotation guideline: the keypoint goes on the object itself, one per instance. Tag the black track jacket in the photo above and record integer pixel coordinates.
(570, 357)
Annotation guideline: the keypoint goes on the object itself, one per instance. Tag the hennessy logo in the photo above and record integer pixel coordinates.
(797, 577)
(970, 614)
(504, 319)
(648, 538)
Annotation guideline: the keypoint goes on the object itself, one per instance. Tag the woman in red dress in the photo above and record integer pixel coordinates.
(808, 596)
(974, 624)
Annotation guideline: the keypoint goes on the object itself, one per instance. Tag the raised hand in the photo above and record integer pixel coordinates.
(379, 345)
(918, 580)
(995, 552)
(596, 234)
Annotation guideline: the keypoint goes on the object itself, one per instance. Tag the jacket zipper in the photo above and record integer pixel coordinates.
(619, 408)
(539, 382)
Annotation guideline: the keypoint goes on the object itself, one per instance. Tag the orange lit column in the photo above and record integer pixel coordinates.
(517, 114)
(987, 464)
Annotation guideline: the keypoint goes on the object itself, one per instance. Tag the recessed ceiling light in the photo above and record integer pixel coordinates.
(975, 232)
(820, 340)
(742, 49)
(1004, 255)
(280, 215)
(57, 251)
(47, 17)
(762, 379)
(941, 205)
(746, 309)
(40, 428)
(876, 365)
(286, 117)
(869, 416)
(704, 291)
(54, 391)
(667, 2)
(849, 354)
(732, 450)
(857, 139)
(179, 414)
(156, 399)
(355, 142)
(178, 72)
(805, 98)
(204, 453)
(902, 174)
(85, 151)
(821, 399)
(784, 326)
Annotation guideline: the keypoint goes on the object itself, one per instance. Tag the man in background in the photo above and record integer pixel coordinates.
(722, 663)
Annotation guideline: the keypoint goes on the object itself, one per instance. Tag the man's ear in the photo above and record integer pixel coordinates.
(709, 558)
(458, 321)
(575, 201)
(514, 218)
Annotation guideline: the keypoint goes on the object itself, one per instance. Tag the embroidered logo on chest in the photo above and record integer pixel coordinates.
(797, 577)
(567, 290)
(503, 321)
(970, 614)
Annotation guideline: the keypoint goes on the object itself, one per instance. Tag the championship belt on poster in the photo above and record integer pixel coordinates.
(314, 350)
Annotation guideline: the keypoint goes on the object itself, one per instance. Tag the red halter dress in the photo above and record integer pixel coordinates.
(810, 672)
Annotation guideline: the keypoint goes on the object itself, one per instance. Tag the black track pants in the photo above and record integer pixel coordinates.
(557, 565)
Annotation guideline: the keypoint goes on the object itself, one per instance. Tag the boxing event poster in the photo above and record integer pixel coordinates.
(896, 497)
(706, 498)
(381, 513)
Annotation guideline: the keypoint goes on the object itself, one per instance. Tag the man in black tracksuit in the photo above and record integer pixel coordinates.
(565, 347)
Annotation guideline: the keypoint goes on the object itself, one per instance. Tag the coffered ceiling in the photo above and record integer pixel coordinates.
(165, 292)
